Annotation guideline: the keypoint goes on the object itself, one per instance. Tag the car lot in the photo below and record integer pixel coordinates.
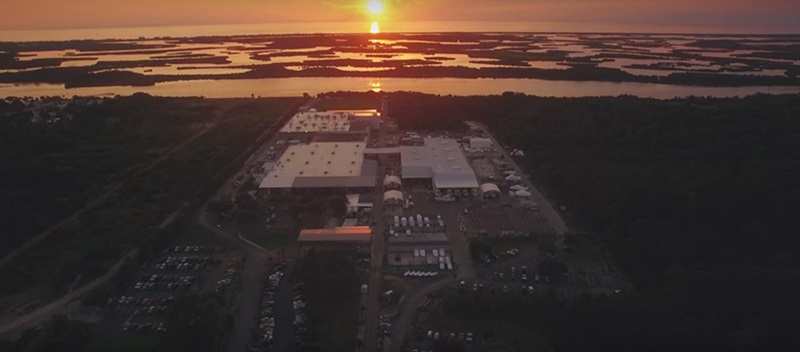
(504, 220)
(144, 305)
(264, 338)
(232, 269)
(300, 323)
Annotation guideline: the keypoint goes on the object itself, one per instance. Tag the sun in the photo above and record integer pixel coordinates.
(374, 28)
(375, 7)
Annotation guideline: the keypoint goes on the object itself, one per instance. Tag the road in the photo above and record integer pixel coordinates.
(377, 249)
(36, 317)
(408, 310)
(258, 258)
(284, 312)
(255, 269)
(45, 312)
(546, 209)
(466, 269)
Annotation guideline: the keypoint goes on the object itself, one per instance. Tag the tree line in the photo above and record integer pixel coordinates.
(694, 197)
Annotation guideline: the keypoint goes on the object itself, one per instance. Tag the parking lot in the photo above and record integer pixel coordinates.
(264, 337)
(143, 307)
(495, 219)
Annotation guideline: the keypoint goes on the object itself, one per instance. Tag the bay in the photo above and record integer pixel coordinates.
(283, 87)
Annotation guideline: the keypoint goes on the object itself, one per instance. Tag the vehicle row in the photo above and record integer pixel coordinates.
(264, 338)
(158, 327)
(158, 282)
(173, 263)
(300, 323)
(194, 249)
(234, 265)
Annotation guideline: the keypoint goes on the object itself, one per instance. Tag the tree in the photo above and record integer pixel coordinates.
(195, 323)
(62, 335)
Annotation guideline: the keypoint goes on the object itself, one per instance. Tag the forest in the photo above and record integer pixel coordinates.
(143, 157)
(695, 198)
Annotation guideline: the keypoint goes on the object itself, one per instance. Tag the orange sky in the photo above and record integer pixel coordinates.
(762, 16)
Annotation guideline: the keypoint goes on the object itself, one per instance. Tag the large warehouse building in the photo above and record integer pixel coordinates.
(332, 121)
(440, 161)
(322, 165)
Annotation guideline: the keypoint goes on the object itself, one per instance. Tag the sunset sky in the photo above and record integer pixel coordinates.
(761, 16)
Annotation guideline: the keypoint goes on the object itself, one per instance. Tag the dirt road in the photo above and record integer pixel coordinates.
(13, 328)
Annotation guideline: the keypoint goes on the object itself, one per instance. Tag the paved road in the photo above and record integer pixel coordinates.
(374, 290)
(466, 268)
(258, 258)
(546, 209)
(244, 322)
(284, 312)
(408, 310)
(377, 249)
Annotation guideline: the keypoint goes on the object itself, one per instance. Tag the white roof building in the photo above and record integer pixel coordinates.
(313, 121)
(439, 159)
(322, 165)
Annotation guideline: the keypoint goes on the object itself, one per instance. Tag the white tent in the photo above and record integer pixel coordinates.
(490, 190)
(393, 197)
(392, 181)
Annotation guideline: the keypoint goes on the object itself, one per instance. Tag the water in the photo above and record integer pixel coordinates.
(284, 87)
(240, 59)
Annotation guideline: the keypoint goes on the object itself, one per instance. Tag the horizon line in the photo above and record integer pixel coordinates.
(292, 28)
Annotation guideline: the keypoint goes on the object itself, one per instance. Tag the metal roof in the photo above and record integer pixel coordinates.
(338, 234)
(440, 159)
(322, 165)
